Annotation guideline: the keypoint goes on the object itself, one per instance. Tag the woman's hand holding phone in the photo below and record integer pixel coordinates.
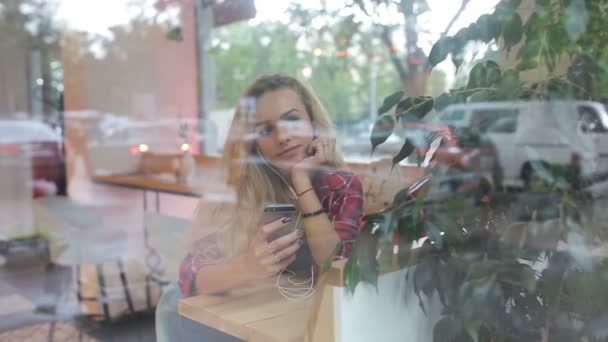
(321, 151)
(263, 258)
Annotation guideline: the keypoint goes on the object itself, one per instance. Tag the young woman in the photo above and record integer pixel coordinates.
(280, 149)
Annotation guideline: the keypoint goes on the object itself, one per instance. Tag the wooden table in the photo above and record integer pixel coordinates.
(148, 183)
(259, 312)
(254, 313)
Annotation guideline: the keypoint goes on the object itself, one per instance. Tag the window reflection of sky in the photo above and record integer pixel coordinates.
(97, 16)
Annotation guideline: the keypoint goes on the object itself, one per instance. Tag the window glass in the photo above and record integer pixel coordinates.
(481, 119)
(506, 123)
(452, 116)
(589, 119)
(248, 153)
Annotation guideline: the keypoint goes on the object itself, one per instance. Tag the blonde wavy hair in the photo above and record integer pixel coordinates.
(254, 184)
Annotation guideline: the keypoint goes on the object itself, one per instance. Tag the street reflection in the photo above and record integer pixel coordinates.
(454, 167)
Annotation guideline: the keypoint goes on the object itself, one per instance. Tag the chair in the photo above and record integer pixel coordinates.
(165, 236)
(166, 316)
(108, 281)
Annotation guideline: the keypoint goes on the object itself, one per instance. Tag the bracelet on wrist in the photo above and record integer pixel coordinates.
(314, 213)
(299, 194)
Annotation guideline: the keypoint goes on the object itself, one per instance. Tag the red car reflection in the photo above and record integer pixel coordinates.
(29, 143)
(456, 149)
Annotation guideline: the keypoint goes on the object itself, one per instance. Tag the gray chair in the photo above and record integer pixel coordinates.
(171, 327)
(165, 235)
(108, 281)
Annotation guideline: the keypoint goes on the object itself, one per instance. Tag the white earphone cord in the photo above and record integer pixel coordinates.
(295, 291)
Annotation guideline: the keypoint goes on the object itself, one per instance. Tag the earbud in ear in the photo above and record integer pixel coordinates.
(258, 151)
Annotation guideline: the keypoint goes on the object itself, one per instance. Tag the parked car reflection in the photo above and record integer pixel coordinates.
(34, 143)
(462, 160)
(535, 132)
(116, 149)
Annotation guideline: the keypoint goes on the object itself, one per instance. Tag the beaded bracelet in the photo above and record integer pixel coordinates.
(314, 213)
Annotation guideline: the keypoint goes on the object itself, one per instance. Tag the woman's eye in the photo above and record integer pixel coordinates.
(292, 118)
(264, 131)
(291, 121)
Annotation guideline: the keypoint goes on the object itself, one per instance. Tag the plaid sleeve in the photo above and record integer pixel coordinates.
(341, 194)
(205, 252)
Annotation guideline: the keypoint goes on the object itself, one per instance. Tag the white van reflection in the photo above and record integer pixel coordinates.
(551, 132)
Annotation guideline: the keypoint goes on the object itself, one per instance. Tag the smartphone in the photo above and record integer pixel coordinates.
(277, 211)
(273, 212)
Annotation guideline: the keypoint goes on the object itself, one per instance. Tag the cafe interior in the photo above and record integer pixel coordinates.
(114, 118)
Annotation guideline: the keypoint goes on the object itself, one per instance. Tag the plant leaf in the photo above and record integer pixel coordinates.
(351, 272)
(442, 101)
(512, 31)
(493, 73)
(434, 234)
(423, 281)
(533, 27)
(480, 96)
(557, 37)
(504, 9)
(383, 128)
(489, 27)
(366, 246)
(543, 7)
(576, 19)
(529, 54)
(473, 331)
(509, 87)
(414, 107)
(389, 102)
(446, 329)
(477, 76)
(458, 56)
(406, 151)
(330, 259)
(550, 59)
(528, 278)
(445, 99)
(440, 51)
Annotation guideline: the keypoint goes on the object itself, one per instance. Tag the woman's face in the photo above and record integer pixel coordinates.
(283, 128)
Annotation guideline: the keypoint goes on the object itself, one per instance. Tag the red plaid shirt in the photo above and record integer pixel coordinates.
(341, 195)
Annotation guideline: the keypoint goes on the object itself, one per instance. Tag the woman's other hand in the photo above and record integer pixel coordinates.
(322, 152)
(264, 259)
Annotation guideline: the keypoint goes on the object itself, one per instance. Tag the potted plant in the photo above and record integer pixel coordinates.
(525, 265)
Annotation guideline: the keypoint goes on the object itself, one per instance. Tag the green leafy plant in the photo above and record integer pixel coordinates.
(511, 265)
